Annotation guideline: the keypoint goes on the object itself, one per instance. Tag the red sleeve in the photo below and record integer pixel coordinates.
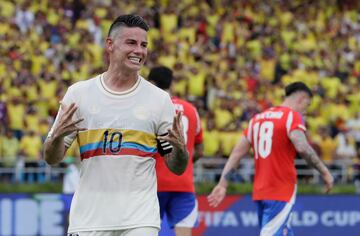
(199, 131)
(295, 121)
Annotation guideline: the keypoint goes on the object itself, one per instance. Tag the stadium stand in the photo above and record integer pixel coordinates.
(230, 58)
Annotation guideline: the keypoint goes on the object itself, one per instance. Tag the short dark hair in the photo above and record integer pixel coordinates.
(296, 87)
(128, 21)
(161, 76)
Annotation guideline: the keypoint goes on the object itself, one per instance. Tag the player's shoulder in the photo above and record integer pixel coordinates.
(288, 111)
(183, 102)
(287, 115)
(83, 84)
(276, 113)
(280, 109)
(182, 105)
(180, 101)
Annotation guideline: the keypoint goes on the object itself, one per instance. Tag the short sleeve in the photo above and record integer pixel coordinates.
(295, 121)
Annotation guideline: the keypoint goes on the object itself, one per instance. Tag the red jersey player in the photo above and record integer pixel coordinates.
(275, 135)
(176, 193)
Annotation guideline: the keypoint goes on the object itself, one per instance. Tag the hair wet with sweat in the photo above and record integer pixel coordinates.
(127, 21)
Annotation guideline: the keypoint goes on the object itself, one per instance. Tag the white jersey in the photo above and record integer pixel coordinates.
(117, 188)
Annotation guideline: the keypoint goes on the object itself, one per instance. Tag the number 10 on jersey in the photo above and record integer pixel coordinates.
(113, 142)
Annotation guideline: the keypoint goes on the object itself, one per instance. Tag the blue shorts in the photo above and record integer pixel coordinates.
(181, 208)
(274, 218)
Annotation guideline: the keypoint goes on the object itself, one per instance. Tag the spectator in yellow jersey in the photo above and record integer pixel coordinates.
(30, 148)
(16, 113)
(327, 145)
(9, 151)
(211, 139)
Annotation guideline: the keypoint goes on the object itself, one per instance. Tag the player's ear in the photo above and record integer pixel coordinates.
(109, 44)
(299, 98)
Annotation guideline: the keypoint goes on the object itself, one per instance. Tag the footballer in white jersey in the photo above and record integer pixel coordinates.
(117, 188)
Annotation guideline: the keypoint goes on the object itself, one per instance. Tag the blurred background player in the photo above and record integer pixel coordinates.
(275, 135)
(177, 193)
(117, 117)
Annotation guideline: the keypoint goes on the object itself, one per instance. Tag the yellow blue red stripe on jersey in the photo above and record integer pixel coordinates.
(112, 142)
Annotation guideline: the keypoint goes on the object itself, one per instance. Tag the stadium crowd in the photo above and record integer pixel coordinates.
(230, 58)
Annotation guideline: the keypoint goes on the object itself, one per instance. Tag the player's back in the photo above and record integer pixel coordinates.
(274, 154)
(191, 123)
(167, 181)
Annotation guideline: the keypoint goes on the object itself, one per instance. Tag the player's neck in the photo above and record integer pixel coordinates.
(120, 81)
(288, 103)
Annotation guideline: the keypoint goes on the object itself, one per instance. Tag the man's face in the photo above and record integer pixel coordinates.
(128, 48)
(303, 102)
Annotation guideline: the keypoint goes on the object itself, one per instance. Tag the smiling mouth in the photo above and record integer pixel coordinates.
(135, 59)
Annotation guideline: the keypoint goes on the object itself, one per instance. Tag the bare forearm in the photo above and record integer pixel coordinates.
(177, 160)
(240, 149)
(304, 149)
(313, 160)
(228, 170)
(54, 150)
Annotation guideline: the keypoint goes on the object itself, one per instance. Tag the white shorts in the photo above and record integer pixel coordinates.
(141, 231)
